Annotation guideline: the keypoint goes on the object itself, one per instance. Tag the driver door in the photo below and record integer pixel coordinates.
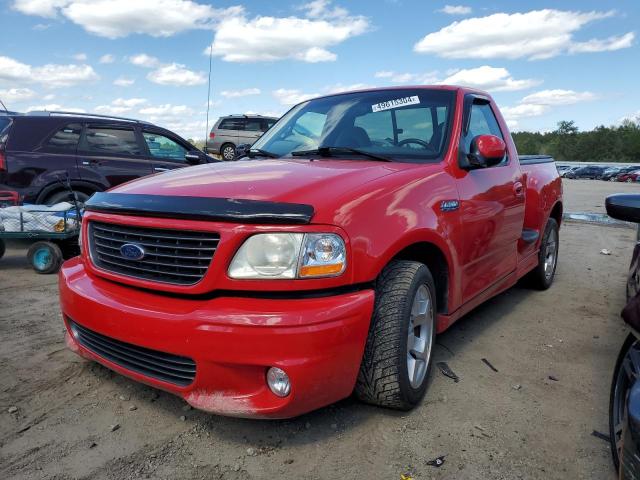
(492, 209)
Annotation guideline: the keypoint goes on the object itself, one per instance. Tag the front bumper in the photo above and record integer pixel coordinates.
(233, 340)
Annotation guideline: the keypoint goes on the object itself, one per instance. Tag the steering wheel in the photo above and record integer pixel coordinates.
(417, 141)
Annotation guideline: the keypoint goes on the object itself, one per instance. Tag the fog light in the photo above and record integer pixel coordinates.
(278, 381)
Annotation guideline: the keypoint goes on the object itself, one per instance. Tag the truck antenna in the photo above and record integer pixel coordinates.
(206, 134)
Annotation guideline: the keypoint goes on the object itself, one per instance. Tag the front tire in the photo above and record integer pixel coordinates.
(228, 151)
(45, 257)
(624, 375)
(66, 196)
(396, 364)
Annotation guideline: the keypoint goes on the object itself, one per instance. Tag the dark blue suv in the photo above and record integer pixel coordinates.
(40, 150)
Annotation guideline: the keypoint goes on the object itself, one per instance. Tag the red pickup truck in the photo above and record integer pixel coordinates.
(362, 225)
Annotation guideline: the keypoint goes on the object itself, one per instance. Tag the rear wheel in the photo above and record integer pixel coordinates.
(45, 257)
(629, 180)
(542, 276)
(228, 151)
(397, 360)
(65, 196)
(625, 374)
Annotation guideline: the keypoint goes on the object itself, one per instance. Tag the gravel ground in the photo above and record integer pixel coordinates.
(76, 419)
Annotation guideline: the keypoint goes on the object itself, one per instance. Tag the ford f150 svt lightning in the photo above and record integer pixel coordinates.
(362, 225)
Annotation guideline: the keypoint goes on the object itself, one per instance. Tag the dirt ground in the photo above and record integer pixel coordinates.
(487, 426)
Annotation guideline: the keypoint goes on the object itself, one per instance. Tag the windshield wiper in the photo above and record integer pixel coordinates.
(253, 152)
(329, 151)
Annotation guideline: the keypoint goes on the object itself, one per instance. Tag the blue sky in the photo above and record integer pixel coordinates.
(542, 61)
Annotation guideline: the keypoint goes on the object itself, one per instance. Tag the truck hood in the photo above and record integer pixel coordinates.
(290, 180)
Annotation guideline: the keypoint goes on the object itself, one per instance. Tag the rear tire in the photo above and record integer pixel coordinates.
(396, 364)
(543, 275)
(620, 386)
(3, 248)
(45, 257)
(65, 196)
(228, 151)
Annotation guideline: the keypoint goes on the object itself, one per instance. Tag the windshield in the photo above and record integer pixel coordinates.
(402, 124)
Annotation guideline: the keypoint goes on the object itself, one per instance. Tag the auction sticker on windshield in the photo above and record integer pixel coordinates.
(398, 102)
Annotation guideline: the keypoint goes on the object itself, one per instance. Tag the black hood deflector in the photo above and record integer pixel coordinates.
(200, 208)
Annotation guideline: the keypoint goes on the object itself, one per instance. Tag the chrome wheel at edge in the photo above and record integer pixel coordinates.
(420, 336)
(626, 375)
(551, 254)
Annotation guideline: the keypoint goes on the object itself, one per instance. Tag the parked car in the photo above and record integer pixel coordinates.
(586, 172)
(629, 177)
(274, 287)
(624, 405)
(230, 131)
(568, 170)
(40, 150)
(611, 174)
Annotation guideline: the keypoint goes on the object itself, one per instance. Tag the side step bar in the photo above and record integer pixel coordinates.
(530, 235)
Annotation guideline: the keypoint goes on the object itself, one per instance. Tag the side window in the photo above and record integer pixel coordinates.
(66, 139)
(163, 147)
(253, 125)
(310, 124)
(112, 141)
(482, 121)
(268, 124)
(231, 124)
(378, 125)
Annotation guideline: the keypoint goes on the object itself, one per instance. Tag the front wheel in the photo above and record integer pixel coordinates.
(543, 275)
(624, 376)
(45, 257)
(396, 363)
(228, 152)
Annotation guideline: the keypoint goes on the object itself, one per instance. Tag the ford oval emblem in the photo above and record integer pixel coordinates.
(131, 251)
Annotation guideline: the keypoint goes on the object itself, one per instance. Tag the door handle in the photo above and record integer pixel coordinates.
(518, 189)
(160, 169)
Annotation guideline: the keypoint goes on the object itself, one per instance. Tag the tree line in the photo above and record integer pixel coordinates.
(602, 144)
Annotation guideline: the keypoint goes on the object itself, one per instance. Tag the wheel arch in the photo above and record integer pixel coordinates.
(85, 187)
(556, 212)
(438, 262)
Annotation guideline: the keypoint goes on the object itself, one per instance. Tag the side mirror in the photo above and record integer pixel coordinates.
(194, 157)
(624, 206)
(486, 151)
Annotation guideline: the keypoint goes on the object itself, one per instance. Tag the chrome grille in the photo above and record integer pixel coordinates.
(170, 256)
(152, 363)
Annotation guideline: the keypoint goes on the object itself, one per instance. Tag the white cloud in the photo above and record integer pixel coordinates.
(605, 45)
(144, 60)
(536, 34)
(120, 18)
(64, 75)
(455, 10)
(490, 79)
(176, 74)
(16, 95)
(166, 110)
(557, 97)
(54, 107)
(240, 93)
(634, 117)
(339, 88)
(80, 57)
(542, 102)
(415, 78)
(41, 8)
(107, 58)
(124, 82)
(15, 73)
(120, 106)
(288, 96)
(484, 78)
(307, 39)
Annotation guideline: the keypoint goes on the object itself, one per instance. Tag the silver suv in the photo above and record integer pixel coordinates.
(233, 130)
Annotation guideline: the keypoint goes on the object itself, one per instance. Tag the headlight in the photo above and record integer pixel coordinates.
(289, 255)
